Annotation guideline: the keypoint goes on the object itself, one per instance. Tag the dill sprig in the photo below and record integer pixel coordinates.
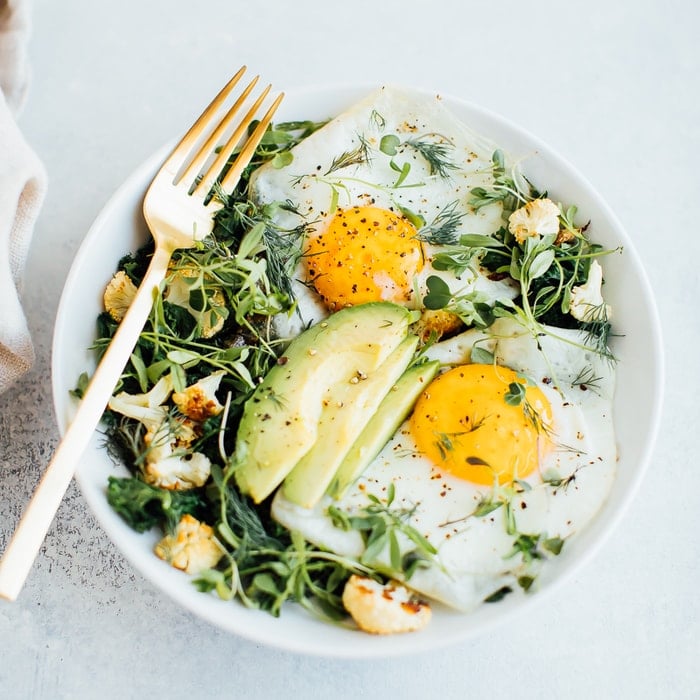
(281, 247)
(442, 230)
(598, 330)
(586, 379)
(555, 481)
(356, 156)
(435, 154)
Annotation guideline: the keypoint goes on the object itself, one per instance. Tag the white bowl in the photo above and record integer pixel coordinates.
(120, 228)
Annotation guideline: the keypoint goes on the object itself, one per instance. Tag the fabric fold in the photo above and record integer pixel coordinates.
(23, 184)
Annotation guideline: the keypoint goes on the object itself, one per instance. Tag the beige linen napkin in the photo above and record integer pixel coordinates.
(22, 188)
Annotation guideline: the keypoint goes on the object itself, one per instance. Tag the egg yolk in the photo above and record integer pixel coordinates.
(465, 423)
(365, 254)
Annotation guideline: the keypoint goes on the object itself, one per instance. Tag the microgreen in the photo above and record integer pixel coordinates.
(402, 170)
(386, 529)
(498, 595)
(482, 356)
(445, 443)
(377, 119)
(510, 188)
(389, 144)
(470, 306)
(515, 394)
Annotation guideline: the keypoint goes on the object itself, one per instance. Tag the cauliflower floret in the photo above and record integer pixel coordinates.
(178, 472)
(118, 295)
(131, 404)
(384, 609)
(540, 217)
(168, 464)
(198, 401)
(587, 303)
(191, 548)
(210, 319)
(441, 322)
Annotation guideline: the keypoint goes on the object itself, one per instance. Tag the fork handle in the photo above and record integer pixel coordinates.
(24, 546)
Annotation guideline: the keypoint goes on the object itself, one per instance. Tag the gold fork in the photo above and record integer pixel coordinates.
(178, 211)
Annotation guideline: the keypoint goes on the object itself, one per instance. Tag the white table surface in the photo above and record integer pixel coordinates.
(612, 85)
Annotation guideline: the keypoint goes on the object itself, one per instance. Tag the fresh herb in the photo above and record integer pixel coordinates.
(586, 379)
(466, 254)
(442, 230)
(509, 188)
(471, 307)
(389, 144)
(485, 506)
(143, 506)
(81, 386)
(377, 119)
(357, 156)
(498, 595)
(553, 479)
(276, 144)
(435, 154)
(445, 444)
(532, 547)
(481, 356)
(384, 528)
(266, 565)
(402, 170)
(544, 268)
(515, 394)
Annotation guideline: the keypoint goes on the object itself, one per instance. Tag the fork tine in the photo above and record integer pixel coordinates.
(207, 148)
(243, 158)
(210, 176)
(183, 148)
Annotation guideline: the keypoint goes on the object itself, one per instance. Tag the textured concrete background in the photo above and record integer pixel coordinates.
(612, 86)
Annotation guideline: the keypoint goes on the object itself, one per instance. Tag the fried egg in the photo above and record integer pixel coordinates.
(475, 470)
(380, 190)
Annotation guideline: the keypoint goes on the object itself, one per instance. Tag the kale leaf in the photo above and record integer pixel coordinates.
(143, 506)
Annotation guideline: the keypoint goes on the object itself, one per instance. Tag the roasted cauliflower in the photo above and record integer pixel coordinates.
(192, 547)
(169, 461)
(118, 295)
(540, 217)
(198, 401)
(439, 322)
(384, 608)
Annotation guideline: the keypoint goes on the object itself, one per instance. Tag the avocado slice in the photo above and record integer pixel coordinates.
(392, 412)
(280, 420)
(349, 407)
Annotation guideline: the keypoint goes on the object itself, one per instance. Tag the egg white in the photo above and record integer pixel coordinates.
(473, 551)
(308, 186)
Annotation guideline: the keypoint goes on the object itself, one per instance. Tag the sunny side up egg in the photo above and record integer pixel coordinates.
(379, 190)
(487, 529)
